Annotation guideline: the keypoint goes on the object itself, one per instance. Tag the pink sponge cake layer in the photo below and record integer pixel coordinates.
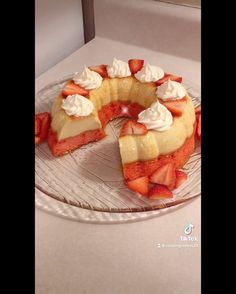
(62, 147)
(117, 109)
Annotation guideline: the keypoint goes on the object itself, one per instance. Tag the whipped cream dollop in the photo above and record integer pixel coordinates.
(170, 90)
(77, 105)
(118, 69)
(149, 73)
(157, 117)
(88, 79)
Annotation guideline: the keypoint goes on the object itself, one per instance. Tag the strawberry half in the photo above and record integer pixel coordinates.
(45, 118)
(132, 127)
(100, 69)
(164, 175)
(198, 131)
(159, 192)
(168, 76)
(198, 109)
(176, 107)
(37, 125)
(71, 89)
(36, 139)
(139, 185)
(180, 178)
(135, 65)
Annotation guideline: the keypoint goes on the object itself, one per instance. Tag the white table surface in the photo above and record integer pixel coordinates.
(75, 258)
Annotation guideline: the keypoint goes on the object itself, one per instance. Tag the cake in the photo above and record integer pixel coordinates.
(154, 143)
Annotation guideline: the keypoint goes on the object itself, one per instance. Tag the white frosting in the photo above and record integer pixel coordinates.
(170, 90)
(157, 117)
(88, 79)
(77, 105)
(118, 69)
(149, 73)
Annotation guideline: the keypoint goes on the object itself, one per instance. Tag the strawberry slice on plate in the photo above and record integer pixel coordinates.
(36, 140)
(176, 107)
(45, 125)
(135, 65)
(180, 178)
(37, 125)
(159, 192)
(167, 77)
(198, 130)
(132, 127)
(198, 109)
(100, 69)
(45, 119)
(71, 89)
(164, 175)
(139, 185)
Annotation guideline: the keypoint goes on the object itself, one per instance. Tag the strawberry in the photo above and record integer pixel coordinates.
(37, 125)
(198, 131)
(100, 69)
(36, 140)
(180, 178)
(164, 175)
(135, 65)
(132, 127)
(198, 109)
(45, 118)
(159, 192)
(71, 89)
(139, 185)
(176, 107)
(168, 76)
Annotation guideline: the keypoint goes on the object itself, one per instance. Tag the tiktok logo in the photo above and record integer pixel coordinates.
(188, 229)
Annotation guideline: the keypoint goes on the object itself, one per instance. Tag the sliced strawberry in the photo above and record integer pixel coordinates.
(36, 139)
(176, 107)
(135, 65)
(132, 127)
(37, 125)
(168, 76)
(198, 131)
(71, 89)
(198, 109)
(164, 175)
(45, 118)
(139, 185)
(42, 115)
(100, 69)
(180, 178)
(159, 192)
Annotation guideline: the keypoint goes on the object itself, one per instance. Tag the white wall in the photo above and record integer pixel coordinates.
(58, 31)
(163, 27)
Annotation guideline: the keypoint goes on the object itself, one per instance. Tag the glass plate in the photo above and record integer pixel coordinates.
(91, 177)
